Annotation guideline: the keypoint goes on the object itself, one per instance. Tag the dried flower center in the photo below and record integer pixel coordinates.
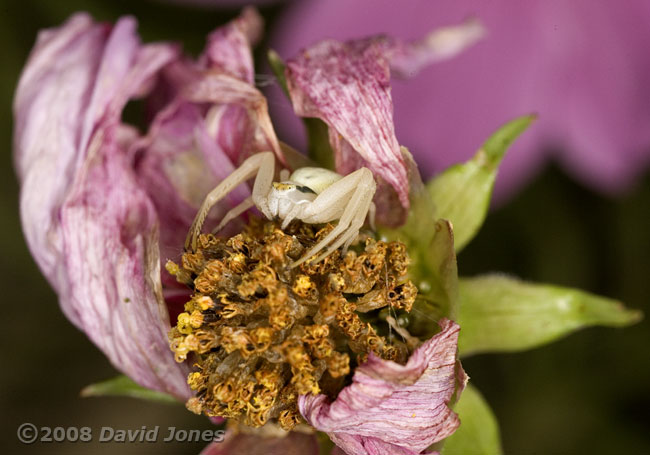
(262, 333)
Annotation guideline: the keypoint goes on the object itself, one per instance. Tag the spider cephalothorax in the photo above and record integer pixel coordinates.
(310, 194)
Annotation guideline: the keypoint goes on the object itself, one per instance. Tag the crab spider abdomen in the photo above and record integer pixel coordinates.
(315, 178)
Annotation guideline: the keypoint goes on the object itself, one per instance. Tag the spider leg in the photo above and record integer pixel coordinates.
(354, 212)
(294, 213)
(234, 213)
(359, 206)
(263, 183)
(330, 204)
(372, 210)
(261, 164)
(357, 222)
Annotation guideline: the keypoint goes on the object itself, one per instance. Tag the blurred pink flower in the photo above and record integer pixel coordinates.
(99, 202)
(582, 65)
(220, 4)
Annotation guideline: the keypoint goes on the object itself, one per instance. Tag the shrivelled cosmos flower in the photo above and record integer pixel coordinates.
(103, 203)
(583, 66)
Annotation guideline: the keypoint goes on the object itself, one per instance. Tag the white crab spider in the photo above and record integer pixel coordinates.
(310, 194)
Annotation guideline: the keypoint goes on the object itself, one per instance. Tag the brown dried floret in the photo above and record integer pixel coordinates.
(261, 333)
(289, 418)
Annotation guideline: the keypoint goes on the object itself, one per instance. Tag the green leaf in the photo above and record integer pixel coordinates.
(125, 387)
(478, 433)
(461, 194)
(503, 314)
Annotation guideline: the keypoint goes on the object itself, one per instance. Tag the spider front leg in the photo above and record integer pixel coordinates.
(359, 207)
(260, 165)
(234, 213)
(349, 199)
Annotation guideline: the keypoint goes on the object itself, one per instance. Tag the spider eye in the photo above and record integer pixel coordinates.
(282, 186)
(305, 189)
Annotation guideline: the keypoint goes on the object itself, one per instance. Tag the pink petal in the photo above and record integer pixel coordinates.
(110, 238)
(91, 230)
(294, 443)
(221, 89)
(50, 103)
(229, 47)
(75, 76)
(219, 4)
(583, 66)
(347, 85)
(392, 408)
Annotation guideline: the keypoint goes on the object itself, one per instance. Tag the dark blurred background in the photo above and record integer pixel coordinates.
(588, 393)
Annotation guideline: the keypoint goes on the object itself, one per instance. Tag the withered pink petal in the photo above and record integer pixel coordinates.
(89, 227)
(49, 106)
(361, 445)
(294, 443)
(347, 85)
(75, 77)
(110, 239)
(229, 47)
(221, 89)
(393, 408)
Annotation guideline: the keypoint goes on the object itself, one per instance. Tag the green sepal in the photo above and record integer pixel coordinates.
(478, 433)
(123, 386)
(278, 66)
(461, 194)
(440, 268)
(433, 268)
(504, 314)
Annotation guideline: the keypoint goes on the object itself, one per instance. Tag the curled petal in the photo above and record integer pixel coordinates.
(49, 107)
(92, 232)
(76, 75)
(393, 408)
(248, 444)
(110, 239)
(229, 47)
(347, 85)
(222, 89)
